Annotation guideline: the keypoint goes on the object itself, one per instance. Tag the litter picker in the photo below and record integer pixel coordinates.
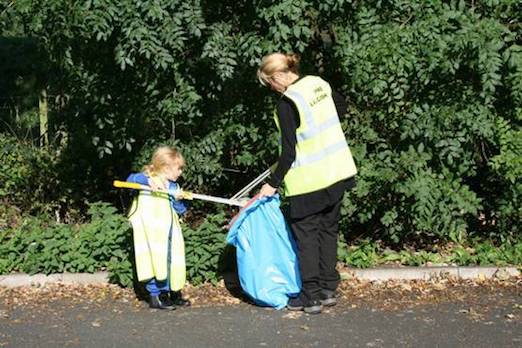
(186, 194)
(239, 199)
(245, 190)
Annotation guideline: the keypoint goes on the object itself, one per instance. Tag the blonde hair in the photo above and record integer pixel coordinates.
(277, 62)
(163, 156)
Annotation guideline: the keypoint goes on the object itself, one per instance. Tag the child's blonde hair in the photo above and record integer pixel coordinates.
(163, 156)
(277, 62)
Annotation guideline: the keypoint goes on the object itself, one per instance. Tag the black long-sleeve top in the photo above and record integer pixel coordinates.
(313, 202)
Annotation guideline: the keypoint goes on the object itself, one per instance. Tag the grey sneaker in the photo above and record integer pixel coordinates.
(313, 307)
(297, 304)
(328, 298)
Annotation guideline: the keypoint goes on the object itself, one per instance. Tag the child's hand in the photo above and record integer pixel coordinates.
(179, 195)
(156, 185)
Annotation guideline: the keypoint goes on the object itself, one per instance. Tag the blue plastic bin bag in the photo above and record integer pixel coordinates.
(266, 253)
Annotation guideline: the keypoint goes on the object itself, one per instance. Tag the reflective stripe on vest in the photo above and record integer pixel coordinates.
(322, 154)
(314, 130)
(332, 121)
(315, 157)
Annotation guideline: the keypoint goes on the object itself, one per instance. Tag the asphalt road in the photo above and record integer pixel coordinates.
(488, 322)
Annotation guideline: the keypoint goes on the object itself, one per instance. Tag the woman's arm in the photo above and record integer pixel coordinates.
(340, 103)
(288, 122)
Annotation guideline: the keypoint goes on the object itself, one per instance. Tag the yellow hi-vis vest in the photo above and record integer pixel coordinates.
(153, 222)
(322, 154)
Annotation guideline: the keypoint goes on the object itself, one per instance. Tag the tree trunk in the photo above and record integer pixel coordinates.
(44, 118)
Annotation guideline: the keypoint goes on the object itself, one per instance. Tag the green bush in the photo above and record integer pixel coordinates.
(42, 246)
(436, 94)
(434, 89)
(366, 253)
(28, 176)
(105, 243)
(363, 255)
(204, 246)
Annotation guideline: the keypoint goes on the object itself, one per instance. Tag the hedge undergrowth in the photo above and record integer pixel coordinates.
(105, 243)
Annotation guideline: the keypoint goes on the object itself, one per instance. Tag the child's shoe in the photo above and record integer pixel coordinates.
(178, 300)
(159, 302)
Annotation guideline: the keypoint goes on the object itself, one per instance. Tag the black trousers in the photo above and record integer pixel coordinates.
(316, 238)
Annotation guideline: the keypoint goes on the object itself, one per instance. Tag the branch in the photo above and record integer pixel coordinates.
(406, 21)
(7, 7)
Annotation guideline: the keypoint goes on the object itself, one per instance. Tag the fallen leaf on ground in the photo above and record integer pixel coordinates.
(292, 315)
(353, 293)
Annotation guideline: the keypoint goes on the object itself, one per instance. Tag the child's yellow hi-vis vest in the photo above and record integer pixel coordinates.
(322, 154)
(158, 243)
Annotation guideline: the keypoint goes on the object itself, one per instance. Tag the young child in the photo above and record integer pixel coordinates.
(158, 243)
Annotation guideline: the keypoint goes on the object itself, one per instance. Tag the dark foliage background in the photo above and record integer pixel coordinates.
(434, 88)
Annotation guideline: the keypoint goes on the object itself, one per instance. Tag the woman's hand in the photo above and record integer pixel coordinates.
(267, 191)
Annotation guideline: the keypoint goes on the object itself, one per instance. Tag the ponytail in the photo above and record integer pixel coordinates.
(148, 169)
(292, 62)
(277, 62)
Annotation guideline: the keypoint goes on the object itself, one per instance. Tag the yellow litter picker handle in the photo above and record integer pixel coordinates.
(129, 185)
(136, 186)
